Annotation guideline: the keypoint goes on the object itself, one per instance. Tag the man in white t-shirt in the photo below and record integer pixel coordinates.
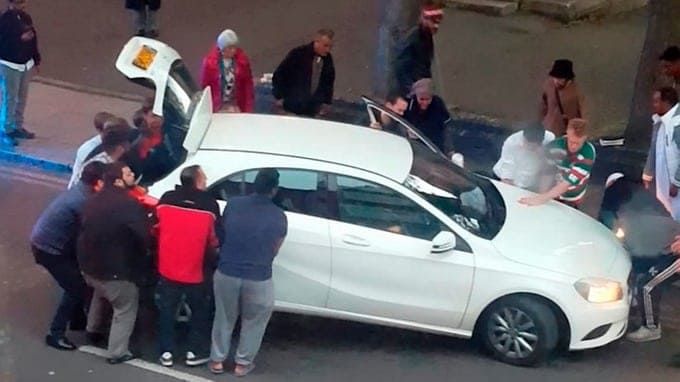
(523, 159)
(86, 148)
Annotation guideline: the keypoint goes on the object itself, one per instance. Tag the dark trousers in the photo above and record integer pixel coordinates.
(302, 106)
(651, 284)
(199, 299)
(64, 269)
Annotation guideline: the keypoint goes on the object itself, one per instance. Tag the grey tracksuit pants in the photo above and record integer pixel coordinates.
(124, 298)
(253, 301)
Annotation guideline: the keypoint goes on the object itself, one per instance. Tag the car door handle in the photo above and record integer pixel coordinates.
(355, 240)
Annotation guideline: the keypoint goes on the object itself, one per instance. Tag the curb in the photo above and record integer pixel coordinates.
(45, 164)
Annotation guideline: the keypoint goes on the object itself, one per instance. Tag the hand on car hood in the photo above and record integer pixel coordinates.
(555, 237)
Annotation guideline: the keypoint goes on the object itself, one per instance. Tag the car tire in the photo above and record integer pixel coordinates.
(519, 330)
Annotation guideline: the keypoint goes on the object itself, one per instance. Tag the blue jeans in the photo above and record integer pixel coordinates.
(254, 302)
(65, 271)
(199, 299)
(13, 95)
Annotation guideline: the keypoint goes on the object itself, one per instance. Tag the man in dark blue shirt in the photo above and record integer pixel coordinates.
(254, 229)
(53, 241)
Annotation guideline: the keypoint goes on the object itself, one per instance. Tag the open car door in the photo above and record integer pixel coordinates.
(376, 111)
(186, 110)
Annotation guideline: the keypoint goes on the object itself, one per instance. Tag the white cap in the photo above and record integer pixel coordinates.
(226, 39)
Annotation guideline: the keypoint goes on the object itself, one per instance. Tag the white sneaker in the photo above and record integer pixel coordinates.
(645, 334)
(166, 359)
(193, 360)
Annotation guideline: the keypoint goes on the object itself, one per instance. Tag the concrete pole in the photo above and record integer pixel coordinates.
(398, 16)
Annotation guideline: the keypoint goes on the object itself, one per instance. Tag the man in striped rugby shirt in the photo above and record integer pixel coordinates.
(574, 158)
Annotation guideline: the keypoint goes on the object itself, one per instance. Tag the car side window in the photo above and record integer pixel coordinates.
(301, 191)
(374, 206)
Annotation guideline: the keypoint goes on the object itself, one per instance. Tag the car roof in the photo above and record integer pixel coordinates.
(350, 145)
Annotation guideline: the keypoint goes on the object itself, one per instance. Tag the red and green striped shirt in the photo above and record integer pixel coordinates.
(573, 168)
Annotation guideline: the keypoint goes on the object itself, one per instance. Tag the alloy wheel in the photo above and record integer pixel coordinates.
(513, 333)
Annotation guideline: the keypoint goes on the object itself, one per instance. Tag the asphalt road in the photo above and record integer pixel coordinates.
(295, 347)
(80, 41)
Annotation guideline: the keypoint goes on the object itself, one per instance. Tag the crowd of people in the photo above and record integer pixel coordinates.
(220, 265)
(217, 266)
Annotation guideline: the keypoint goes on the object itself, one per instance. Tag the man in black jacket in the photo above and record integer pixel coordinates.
(303, 82)
(53, 242)
(415, 52)
(18, 55)
(114, 238)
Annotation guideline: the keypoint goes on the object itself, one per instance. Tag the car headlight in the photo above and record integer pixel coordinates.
(620, 233)
(599, 290)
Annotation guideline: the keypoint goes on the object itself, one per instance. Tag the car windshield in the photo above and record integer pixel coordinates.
(471, 201)
(181, 96)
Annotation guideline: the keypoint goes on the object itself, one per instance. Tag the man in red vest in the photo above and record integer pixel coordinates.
(186, 251)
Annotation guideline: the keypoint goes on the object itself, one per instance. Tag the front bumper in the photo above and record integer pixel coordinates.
(599, 324)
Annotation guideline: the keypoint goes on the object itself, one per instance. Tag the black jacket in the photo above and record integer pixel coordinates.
(413, 60)
(187, 197)
(137, 5)
(434, 122)
(114, 237)
(14, 23)
(293, 79)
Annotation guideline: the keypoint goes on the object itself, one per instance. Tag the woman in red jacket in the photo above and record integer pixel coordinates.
(226, 69)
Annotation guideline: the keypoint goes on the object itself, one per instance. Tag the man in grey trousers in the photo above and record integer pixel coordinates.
(114, 239)
(254, 229)
(18, 55)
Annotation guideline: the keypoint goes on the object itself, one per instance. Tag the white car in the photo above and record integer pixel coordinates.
(386, 230)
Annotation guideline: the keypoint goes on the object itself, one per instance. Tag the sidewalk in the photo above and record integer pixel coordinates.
(62, 119)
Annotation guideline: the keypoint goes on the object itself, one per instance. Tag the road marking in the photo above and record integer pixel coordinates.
(148, 366)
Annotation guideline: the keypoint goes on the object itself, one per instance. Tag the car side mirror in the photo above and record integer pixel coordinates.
(443, 242)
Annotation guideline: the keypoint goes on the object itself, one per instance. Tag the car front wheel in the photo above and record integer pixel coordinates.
(519, 330)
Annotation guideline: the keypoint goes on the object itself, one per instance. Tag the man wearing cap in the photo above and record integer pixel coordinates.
(670, 61)
(523, 161)
(304, 81)
(428, 113)
(562, 99)
(226, 69)
(18, 55)
(663, 159)
(416, 51)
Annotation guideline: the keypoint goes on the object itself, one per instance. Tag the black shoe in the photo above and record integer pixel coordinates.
(95, 338)
(61, 343)
(121, 359)
(140, 33)
(22, 133)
